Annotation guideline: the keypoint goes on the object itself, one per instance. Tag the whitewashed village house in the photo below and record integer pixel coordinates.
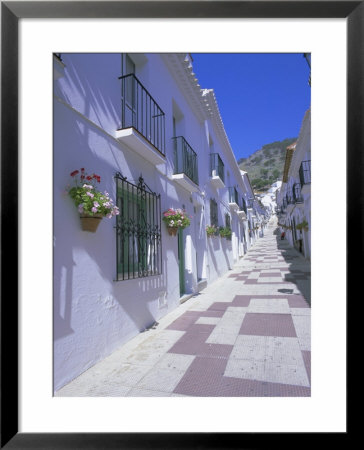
(143, 124)
(294, 196)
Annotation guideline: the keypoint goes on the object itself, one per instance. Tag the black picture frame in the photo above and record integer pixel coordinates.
(11, 12)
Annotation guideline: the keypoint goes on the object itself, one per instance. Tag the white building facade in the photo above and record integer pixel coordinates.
(142, 123)
(294, 196)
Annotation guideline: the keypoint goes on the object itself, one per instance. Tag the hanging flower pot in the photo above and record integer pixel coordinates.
(174, 219)
(90, 223)
(92, 204)
(172, 231)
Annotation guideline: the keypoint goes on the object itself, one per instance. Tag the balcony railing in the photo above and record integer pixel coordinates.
(217, 166)
(185, 159)
(140, 111)
(296, 191)
(305, 172)
(233, 195)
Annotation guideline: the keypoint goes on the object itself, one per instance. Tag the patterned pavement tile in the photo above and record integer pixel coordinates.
(307, 360)
(207, 320)
(302, 326)
(241, 300)
(205, 378)
(270, 306)
(268, 325)
(162, 380)
(297, 301)
(271, 280)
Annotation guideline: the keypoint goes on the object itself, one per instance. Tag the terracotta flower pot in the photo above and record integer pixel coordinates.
(90, 223)
(172, 231)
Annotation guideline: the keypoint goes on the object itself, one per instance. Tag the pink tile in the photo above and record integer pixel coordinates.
(241, 300)
(307, 360)
(260, 324)
(205, 378)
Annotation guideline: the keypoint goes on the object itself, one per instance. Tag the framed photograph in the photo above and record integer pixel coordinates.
(31, 32)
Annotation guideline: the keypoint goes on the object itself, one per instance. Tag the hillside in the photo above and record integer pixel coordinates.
(265, 165)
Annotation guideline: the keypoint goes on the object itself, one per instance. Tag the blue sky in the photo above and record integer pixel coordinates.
(262, 97)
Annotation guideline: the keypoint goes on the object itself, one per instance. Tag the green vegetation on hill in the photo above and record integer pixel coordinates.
(265, 166)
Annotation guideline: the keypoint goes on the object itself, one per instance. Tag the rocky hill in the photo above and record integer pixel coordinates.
(265, 166)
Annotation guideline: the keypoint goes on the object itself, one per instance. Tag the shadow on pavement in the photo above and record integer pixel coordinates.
(299, 268)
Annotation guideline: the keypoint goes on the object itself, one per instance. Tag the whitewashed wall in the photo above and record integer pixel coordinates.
(93, 314)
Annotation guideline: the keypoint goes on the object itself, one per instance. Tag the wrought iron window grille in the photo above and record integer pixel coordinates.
(138, 230)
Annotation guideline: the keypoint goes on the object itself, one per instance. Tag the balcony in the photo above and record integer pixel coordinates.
(233, 199)
(242, 211)
(185, 165)
(305, 176)
(142, 121)
(217, 171)
(296, 191)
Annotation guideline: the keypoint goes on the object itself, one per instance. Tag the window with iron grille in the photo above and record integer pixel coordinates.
(214, 220)
(138, 230)
(227, 221)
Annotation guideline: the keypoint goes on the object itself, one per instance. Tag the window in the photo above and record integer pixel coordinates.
(214, 220)
(227, 221)
(138, 230)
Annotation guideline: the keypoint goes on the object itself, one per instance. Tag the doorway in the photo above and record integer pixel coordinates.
(181, 262)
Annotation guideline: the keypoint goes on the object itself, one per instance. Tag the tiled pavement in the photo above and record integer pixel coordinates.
(247, 334)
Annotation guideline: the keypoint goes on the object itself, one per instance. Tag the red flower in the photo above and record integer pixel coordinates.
(82, 170)
(75, 172)
(82, 177)
(88, 178)
(97, 177)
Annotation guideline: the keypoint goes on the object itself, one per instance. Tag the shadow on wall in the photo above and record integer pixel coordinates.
(81, 147)
(226, 245)
(299, 267)
(214, 245)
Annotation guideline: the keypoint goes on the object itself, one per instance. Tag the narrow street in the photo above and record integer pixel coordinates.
(247, 334)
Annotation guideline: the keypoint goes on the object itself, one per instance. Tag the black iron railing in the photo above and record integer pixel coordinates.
(214, 218)
(296, 191)
(185, 159)
(243, 205)
(140, 111)
(305, 172)
(138, 230)
(233, 195)
(217, 166)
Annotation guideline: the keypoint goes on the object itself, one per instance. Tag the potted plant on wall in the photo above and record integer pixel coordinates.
(225, 232)
(92, 204)
(211, 230)
(175, 219)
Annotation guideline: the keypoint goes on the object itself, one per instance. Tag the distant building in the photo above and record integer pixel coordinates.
(294, 196)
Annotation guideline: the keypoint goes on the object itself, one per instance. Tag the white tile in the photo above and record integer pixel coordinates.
(276, 305)
(242, 368)
(286, 374)
(164, 380)
(136, 392)
(208, 320)
(175, 361)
